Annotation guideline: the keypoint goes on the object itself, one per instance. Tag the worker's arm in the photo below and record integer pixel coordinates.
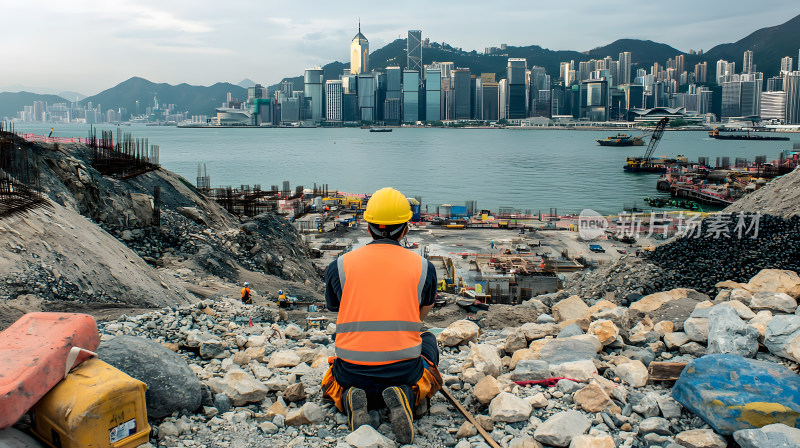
(423, 311)
(428, 292)
(333, 288)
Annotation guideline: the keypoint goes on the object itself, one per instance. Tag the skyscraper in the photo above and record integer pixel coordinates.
(680, 64)
(701, 72)
(313, 93)
(461, 89)
(791, 85)
(433, 93)
(724, 69)
(748, 62)
(410, 96)
(394, 94)
(414, 50)
(517, 95)
(367, 96)
(624, 68)
(786, 64)
(333, 100)
(359, 53)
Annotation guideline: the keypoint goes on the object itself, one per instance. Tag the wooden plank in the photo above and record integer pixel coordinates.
(666, 371)
(470, 418)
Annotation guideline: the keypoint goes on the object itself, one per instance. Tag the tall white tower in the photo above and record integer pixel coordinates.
(359, 53)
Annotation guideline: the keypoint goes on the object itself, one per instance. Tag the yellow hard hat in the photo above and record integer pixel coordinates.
(387, 207)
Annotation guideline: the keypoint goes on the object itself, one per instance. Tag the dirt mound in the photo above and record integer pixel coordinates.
(781, 197)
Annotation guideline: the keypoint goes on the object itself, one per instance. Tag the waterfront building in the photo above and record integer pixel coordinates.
(333, 100)
(313, 94)
(433, 93)
(462, 94)
(394, 93)
(775, 83)
(410, 96)
(490, 101)
(517, 91)
(747, 66)
(350, 111)
(414, 50)
(680, 64)
(367, 96)
(359, 53)
(539, 81)
(741, 95)
(773, 106)
(503, 95)
(594, 100)
(791, 85)
(625, 61)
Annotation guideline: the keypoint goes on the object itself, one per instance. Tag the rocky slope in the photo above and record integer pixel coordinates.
(260, 385)
(99, 243)
(781, 197)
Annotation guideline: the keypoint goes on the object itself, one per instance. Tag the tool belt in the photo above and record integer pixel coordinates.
(425, 388)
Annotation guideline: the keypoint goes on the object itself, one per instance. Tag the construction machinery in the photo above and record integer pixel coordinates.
(646, 164)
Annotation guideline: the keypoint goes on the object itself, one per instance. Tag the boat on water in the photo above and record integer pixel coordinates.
(621, 140)
(716, 135)
(380, 129)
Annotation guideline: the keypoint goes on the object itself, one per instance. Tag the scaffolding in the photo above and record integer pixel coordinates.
(20, 189)
(126, 159)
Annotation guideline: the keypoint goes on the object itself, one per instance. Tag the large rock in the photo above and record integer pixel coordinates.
(459, 332)
(770, 436)
(531, 370)
(561, 428)
(484, 358)
(284, 358)
(655, 425)
(592, 398)
(675, 339)
(782, 337)
(309, 414)
(633, 373)
(775, 280)
(486, 389)
(605, 330)
(537, 331)
(171, 385)
(583, 370)
(760, 322)
(731, 393)
(521, 355)
(727, 333)
(593, 441)
(515, 341)
(701, 438)
(696, 326)
(367, 437)
(556, 351)
(777, 302)
(506, 407)
(240, 387)
(674, 305)
(570, 308)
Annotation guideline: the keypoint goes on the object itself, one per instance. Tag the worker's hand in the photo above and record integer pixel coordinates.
(423, 311)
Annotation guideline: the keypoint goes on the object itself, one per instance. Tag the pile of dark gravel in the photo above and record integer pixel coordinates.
(702, 261)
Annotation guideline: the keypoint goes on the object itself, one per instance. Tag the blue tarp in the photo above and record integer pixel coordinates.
(731, 393)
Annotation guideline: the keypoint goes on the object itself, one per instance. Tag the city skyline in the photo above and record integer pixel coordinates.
(87, 47)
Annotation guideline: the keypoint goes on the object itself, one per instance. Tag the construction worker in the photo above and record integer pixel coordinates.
(382, 292)
(283, 301)
(246, 299)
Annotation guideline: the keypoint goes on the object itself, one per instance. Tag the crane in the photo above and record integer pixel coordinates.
(642, 164)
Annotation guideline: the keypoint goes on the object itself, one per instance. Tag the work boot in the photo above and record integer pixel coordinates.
(355, 406)
(398, 400)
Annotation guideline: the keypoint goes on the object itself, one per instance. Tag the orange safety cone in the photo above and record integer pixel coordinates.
(250, 323)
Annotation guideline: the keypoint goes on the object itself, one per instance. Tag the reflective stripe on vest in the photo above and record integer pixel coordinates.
(381, 292)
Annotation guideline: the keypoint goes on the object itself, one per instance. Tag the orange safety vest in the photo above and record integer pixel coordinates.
(246, 294)
(378, 320)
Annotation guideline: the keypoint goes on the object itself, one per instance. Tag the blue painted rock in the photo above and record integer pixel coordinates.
(731, 393)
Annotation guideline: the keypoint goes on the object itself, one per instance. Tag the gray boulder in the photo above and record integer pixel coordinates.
(770, 436)
(531, 370)
(561, 428)
(727, 333)
(569, 331)
(782, 337)
(560, 351)
(171, 385)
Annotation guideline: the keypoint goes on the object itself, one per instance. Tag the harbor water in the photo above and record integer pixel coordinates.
(528, 170)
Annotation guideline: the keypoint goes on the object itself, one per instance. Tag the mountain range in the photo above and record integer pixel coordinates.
(768, 44)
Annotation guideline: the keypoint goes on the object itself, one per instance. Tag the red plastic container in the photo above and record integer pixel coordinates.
(33, 357)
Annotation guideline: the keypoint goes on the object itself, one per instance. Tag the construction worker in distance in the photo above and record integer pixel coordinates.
(246, 298)
(382, 292)
(283, 301)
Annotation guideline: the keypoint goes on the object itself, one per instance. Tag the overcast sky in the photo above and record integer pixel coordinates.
(91, 45)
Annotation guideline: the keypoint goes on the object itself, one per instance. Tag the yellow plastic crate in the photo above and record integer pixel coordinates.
(95, 406)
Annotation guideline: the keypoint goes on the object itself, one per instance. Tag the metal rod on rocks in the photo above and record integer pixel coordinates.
(469, 417)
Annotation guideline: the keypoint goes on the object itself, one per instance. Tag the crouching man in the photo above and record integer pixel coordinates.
(382, 292)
